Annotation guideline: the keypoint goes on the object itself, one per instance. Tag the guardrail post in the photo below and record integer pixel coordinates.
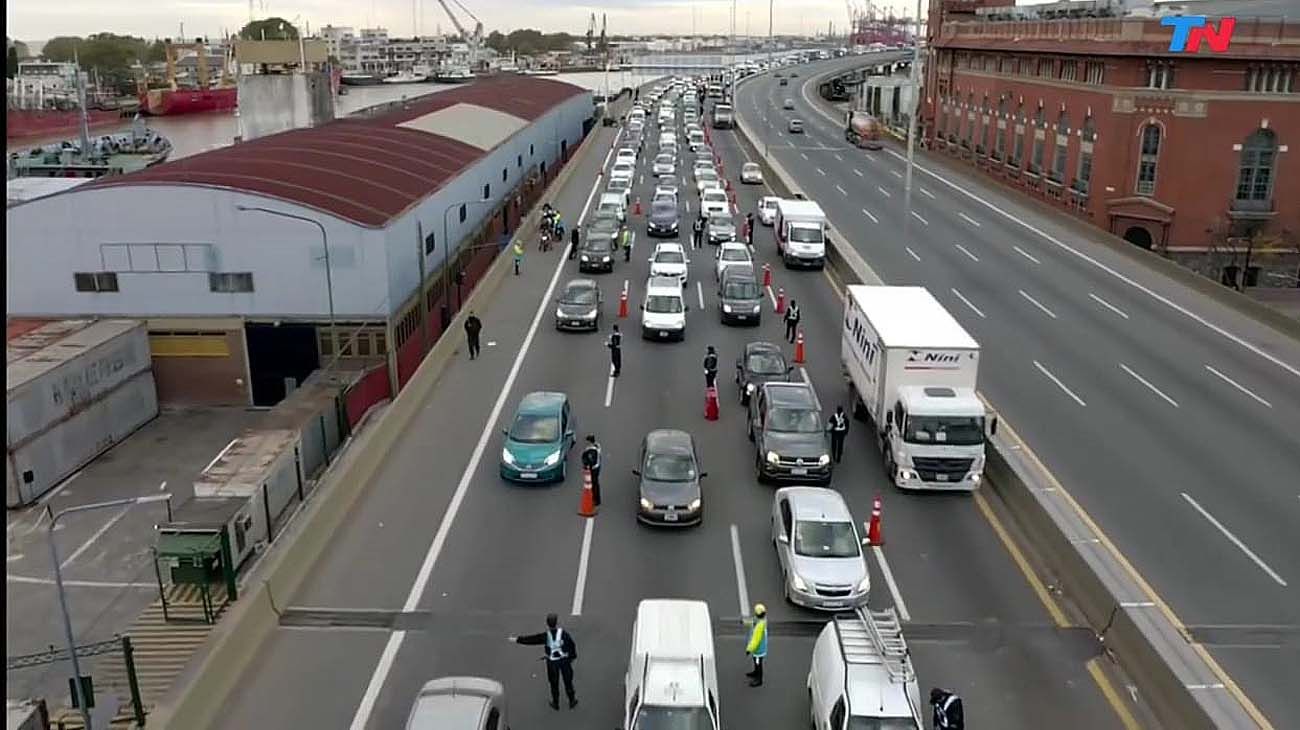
(128, 658)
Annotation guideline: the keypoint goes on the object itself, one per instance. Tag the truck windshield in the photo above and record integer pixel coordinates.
(825, 540)
(672, 718)
(954, 430)
(882, 723)
(806, 235)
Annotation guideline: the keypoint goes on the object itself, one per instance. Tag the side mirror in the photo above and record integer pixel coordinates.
(783, 538)
(636, 472)
(505, 431)
(703, 474)
(889, 418)
(789, 369)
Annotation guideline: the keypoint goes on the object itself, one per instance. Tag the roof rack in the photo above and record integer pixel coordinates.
(876, 637)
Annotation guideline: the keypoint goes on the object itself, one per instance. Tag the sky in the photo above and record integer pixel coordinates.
(43, 19)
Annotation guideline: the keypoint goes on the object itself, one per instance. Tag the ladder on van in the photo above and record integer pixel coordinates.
(876, 636)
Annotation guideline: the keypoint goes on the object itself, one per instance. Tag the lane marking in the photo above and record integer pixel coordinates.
(897, 595)
(97, 534)
(968, 219)
(386, 659)
(1108, 305)
(884, 192)
(1235, 540)
(969, 255)
(1025, 253)
(1113, 697)
(966, 301)
(913, 253)
(699, 288)
(897, 174)
(1038, 304)
(742, 590)
(858, 172)
(925, 192)
(580, 588)
(609, 387)
(1148, 384)
(842, 191)
(837, 156)
(1238, 386)
(821, 171)
(1118, 275)
(870, 156)
(771, 295)
(868, 214)
(1035, 584)
(79, 583)
(803, 155)
(1059, 384)
(918, 217)
(803, 373)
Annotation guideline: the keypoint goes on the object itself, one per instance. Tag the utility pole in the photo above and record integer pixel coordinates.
(771, 43)
(915, 79)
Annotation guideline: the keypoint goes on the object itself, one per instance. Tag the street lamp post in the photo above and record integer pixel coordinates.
(771, 17)
(914, 108)
(329, 272)
(84, 701)
(446, 259)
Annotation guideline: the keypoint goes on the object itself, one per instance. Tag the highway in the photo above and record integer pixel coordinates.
(1173, 419)
(456, 559)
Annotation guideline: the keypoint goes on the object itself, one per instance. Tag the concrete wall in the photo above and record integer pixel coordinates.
(276, 103)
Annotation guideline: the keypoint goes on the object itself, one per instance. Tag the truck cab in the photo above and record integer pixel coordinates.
(935, 438)
(801, 233)
(672, 679)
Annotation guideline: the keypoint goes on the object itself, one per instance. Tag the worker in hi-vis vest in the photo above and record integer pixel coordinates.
(757, 647)
(560, 652)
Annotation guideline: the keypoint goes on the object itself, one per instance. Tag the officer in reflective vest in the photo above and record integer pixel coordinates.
(710, 368)
(591, 460)
(839, 428)
(948, 713)
(757, 646)
(560, 653)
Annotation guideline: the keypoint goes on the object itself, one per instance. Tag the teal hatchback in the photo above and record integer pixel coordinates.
(539, 438)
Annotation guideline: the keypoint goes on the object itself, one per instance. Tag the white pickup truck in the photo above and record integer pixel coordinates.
(801, 233)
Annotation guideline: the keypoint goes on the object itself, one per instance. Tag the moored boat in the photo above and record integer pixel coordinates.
(112, 154)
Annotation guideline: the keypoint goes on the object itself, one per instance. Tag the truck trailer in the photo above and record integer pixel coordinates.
(862, 130)
(911, 370)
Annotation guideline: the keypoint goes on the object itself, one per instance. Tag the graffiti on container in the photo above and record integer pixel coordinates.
(77, 386)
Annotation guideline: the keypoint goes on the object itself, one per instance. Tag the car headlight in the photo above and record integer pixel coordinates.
(772, 458)
(726, 308)
(865, 585)
(585, 258)
(694, 505)
(553, 459)
(799, 584)
(646, 504)
(975, 478)
(559, 313)
(507, 457)
(589, 315)
(604, 259)
(823, 460)
(758, 308)
(749, 388)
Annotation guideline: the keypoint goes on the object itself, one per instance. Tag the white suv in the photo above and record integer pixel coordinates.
(663, 313)
(669, 260)
(713, 200)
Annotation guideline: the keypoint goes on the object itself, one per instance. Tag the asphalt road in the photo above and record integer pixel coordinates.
(1173, 419)
(498, 557)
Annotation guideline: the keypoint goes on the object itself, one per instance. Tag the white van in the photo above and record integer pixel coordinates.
(672, 678)
(862, 676)
(663, 313)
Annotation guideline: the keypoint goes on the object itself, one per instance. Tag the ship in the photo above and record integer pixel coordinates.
(205, 96)
(415, 75)
(540, 72)
(42, 102)
(28, 123)
(360, 78)
(455, 75)
(110, 154)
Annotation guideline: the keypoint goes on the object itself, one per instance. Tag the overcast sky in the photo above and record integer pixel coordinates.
(43, 19)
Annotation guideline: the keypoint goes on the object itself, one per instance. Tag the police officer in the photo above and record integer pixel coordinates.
(591, 458)
(615, 345)
(948, 714)
(757, 646)
(573, 243)
(697, 232)
(710, 368)
(560, 653)
(473, 326)
(792, 316)
(749, 229)
(839, 428)
(625, 239)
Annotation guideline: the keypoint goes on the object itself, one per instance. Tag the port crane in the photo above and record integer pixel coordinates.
(475, 39)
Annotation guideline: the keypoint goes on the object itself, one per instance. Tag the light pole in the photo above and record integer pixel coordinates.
(84, 701)
(914, 107)
(329, 272)
(771, 41)
(446, 260)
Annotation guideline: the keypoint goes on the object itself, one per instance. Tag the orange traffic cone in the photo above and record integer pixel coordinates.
(637, 209)
(798, 348)
(780, 300)
(622, 305)
(767, 275)
(588, 506)
(874, 536)
(711, 403)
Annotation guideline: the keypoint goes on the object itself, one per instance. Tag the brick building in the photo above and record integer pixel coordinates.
(1183, 153)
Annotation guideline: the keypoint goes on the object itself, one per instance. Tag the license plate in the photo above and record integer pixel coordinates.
(833, 604)
(742, 316)
(662, 333)
(576, 323)
(799, 472)
(941, 477)
(670, 517)
(527, 475)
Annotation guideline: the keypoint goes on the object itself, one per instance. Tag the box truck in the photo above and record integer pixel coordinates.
(801, 233)
(911, 370)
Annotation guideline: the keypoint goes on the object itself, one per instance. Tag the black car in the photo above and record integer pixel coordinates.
(760, 362)
(669, 489)
(579, 306)
(664, 219)
(596, 253)
(740, 298)
(789, 434)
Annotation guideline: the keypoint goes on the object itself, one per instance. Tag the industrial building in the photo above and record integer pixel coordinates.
(240, 258)
(1084, 106)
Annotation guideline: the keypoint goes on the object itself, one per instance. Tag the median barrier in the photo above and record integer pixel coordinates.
(198, 696)
(1177, 678)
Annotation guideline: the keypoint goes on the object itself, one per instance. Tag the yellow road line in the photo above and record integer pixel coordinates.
(1040, 590)
(1116, 701)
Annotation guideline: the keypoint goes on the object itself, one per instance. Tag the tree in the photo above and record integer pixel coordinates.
(11, 63)
(271, 29)
(60, 48)
(157, 52)
(497, 42)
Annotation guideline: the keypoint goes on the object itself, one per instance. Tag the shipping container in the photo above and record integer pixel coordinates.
(261, 465)
(312, 411)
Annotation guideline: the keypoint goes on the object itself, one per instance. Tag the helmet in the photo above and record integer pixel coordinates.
(760, 609)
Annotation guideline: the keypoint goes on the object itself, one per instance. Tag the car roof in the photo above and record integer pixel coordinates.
(794, 395)
(818, 504)
(661, 283)
(580, 284)
(738, 272)
(749, 165)
(763, 346)
(668, 246)
(542, 402)
(669, 441)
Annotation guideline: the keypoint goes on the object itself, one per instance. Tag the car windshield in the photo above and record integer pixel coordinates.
(620, 183)
(882, 723)
(749, 167)
(663, 209)
(806, 235)
(954, 430)
(670, 257)
(765, 363)
(741, 289)
(597, 244)
(579, 295)
(650, 717)
(661, 304)
(768, 204)
(713, 195)
(825, 540)
(794, 420)
(735, 254)
(534, 429)
(706, 174)
(722, 221)
(669, 467)
(664, 160)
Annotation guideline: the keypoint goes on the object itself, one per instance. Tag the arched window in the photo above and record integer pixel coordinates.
(1000, 135)
(983, 148)
(1146, 176)
(1019, 129)
(970, 120)
(1040, 139)
(1062, 147)
(1087, 135)
(1255, 176)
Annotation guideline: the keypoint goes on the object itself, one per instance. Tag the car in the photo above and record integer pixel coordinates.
(789, 104)
(622, 170)
(612, 204)
(789, 433)
(818, 547)
(704, 155)
(740, 298)
(666, 137)
(663, 311)
(579, 306)
(759, 363)
(720, 227)
(794, 74)
(713, 201)
(795, 126)
(779, 75)
(669, 475)
(783, 82)
(767, 209)
(539, 438)
(664, 192)
(697, 142)
(669, 148)
(664, 218)
(669, 260)
(730, 256)
(621, 185)
(751, 174)
(627, 155)
(664, 164)
(459, 703)
(596, 253)
(702, 161)
(706, 177)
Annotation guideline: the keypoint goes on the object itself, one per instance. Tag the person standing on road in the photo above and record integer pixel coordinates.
(839, 428)
(519, 255)
(615, 345)
(792, 317)
(697, 232)
(473, 326)
(591, 458)
(948, 713)
(710, 368)
(573, 243)
(749, 229)
(757, 646)
(560, 654)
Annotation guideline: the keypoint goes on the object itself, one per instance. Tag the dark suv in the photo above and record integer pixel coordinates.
(789, 434)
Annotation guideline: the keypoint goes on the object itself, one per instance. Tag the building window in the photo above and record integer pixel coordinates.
(462, 214)
(1026, 67)
(1087, 136)
(530, 150)
(1146, 176)
(999, 137)
(1255, 177)
(1019, 155)
(230, 283)
(1096, 73)
(519, 161)
(101, 281)
(1062, 147)
(1069, 70)
(943, 118)
(429, 242)
(970, 121)
(1271, 79)
(1160, 75)
(983, 148)
(1045, 68)
(1040, 134)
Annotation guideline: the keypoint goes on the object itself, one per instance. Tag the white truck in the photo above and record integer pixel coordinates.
(801, 233)
(911, 370)
(672, 676)
(862, 676)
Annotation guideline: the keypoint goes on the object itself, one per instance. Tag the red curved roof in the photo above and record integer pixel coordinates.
(366, 170)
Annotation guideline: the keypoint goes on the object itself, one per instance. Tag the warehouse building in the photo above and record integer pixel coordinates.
(239, 258)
